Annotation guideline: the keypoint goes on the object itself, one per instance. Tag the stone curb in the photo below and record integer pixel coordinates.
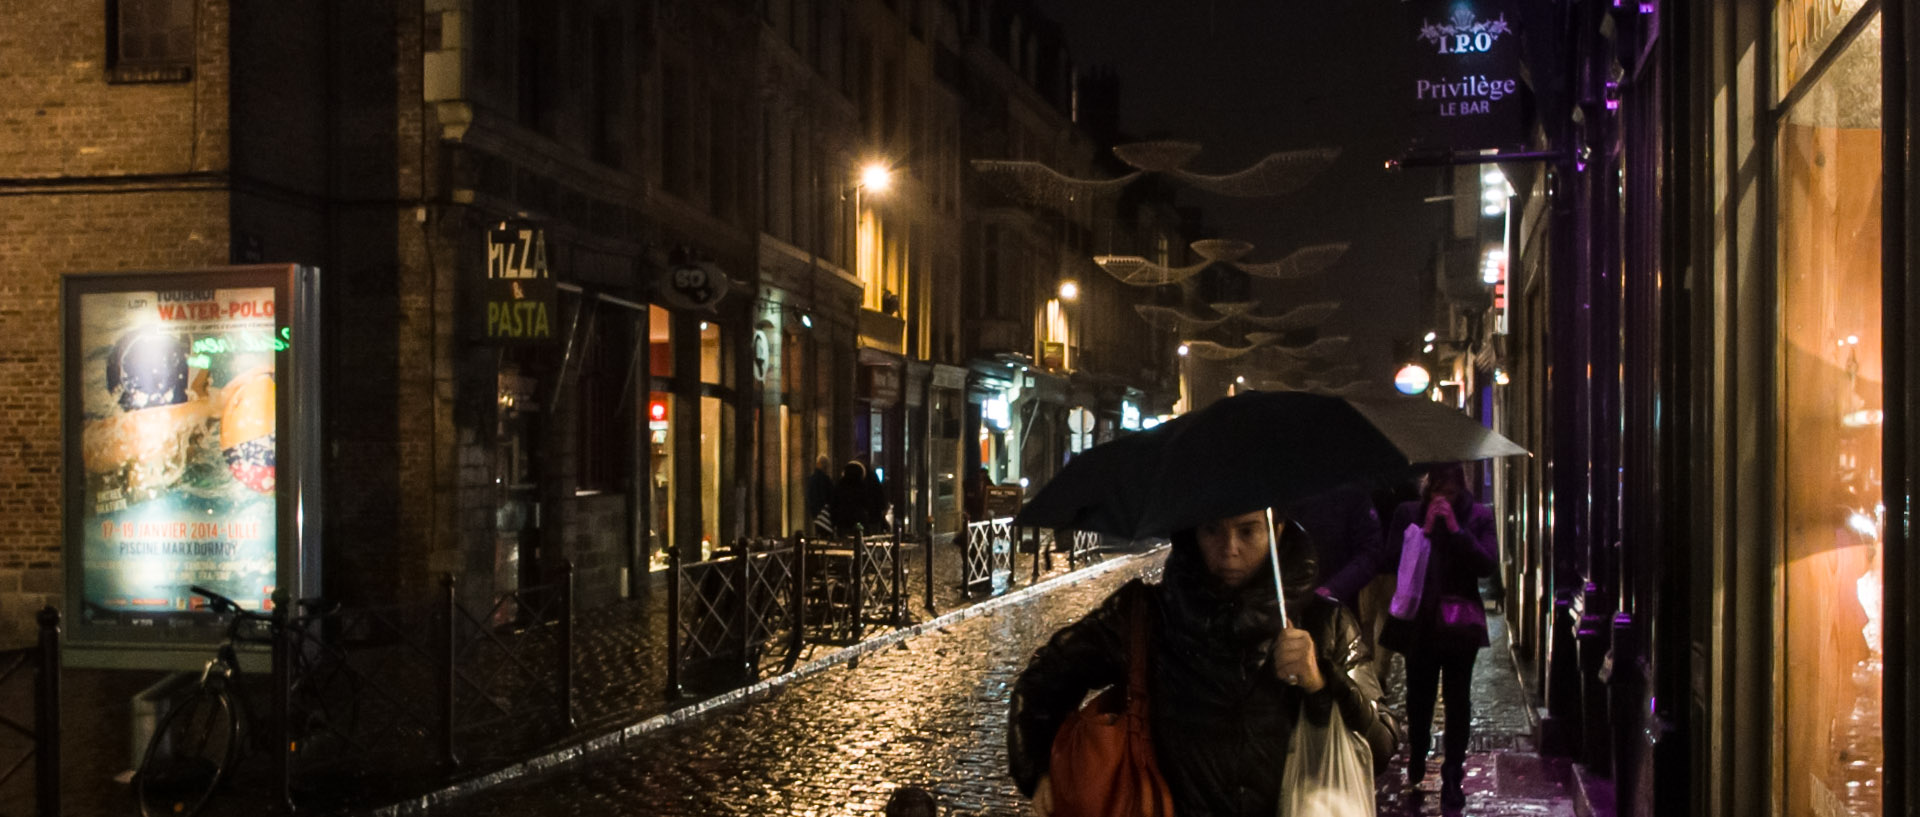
(1592, 794)
(617, 739)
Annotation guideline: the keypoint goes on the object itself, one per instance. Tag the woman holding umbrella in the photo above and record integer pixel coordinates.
(1227, 672)
(1446, 627)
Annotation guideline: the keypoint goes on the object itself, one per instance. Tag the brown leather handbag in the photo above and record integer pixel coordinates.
(1102, 762)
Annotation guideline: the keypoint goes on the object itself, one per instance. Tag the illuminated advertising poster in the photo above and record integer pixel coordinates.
(177, 392)
(177, 449)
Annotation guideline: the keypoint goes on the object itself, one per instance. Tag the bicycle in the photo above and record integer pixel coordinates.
(198, 742)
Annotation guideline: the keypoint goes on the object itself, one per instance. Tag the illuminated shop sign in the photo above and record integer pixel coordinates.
(182, 450)
(1412, 379)
(996, 412)
(519, 292)
(1464, 75)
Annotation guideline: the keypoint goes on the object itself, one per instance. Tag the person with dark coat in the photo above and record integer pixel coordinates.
(877, 502)
(1463, 546)
(819, 492)
(1226, 682)
(848, 504)
(1345, 530)
(976, 494)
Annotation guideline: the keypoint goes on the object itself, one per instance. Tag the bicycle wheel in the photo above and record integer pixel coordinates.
(191, 750)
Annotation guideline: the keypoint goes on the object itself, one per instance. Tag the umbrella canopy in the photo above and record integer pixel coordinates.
(1263, 449)
(1252, 451)
(1428, 432)
(1105, 488)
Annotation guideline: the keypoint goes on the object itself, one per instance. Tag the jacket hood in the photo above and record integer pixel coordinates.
(1249, 612)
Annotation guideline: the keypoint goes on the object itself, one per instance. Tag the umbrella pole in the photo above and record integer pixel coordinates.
(1273, 555)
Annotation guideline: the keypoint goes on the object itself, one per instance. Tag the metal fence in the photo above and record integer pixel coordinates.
(727, 613)
(987, 557)
(1084, 546)
(368, 699)
(372, 699)
(32, 737)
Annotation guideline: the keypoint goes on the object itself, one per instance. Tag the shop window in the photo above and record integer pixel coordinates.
(716, 419)
(150, 40)
(604, 390)
(659, 342)
(659, 425)
(1829, 238)
(710, 353)
(660, 479)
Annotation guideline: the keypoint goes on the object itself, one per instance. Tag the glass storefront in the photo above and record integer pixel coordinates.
(659, 438)
(716, 423)
(1829, 172)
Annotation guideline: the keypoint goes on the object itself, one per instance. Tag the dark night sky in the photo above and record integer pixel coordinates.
(1244, 78)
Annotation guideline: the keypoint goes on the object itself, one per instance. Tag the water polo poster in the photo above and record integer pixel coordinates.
(174, 399)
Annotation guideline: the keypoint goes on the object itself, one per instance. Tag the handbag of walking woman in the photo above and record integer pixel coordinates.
(1102, 761)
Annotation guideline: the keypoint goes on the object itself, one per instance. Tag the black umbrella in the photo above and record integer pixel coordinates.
(1429, 432)
(1259, 450)
(1252, 451)
(1104, 489)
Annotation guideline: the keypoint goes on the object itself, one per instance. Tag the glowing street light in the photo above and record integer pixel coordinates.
(1069, 290)
(1412, 379)
(1183, 350)
(876, 177)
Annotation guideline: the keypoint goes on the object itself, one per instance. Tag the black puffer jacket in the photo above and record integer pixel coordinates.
(1221, 721)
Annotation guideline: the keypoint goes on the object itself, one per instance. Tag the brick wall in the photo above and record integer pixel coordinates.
(59, 116)
(66, 133)
(43, 237)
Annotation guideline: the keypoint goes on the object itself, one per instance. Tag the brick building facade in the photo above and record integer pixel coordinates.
(386, 143)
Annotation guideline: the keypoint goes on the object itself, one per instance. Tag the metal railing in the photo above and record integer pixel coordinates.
(368, 699)
(1084, 546)
(987, 557)
(39, 667)
(725, 612)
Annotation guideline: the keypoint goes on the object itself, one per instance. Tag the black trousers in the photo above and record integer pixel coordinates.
(1425, 674)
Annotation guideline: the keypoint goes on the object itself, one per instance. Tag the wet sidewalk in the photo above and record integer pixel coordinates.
(1505, 776)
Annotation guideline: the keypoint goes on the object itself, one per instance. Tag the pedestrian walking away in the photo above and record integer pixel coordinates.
(1228, 677)
(848, 505)
(1438, 619)
(819, 493)
(1345, 529)
(878, 505)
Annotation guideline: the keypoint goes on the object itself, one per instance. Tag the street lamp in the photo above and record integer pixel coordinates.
(876, 176)
(1069, 290)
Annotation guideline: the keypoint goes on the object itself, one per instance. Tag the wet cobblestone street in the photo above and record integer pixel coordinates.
(930, 711)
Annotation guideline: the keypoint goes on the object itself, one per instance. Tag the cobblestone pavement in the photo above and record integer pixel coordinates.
(1505, 778)
(931, 712)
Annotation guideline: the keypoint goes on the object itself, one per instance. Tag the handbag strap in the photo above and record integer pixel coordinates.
(1137, 659)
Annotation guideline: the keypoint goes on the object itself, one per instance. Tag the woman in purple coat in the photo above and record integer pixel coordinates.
(1463, 546)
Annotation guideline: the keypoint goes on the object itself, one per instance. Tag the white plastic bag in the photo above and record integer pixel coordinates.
(1414, 549)
(1329, 771)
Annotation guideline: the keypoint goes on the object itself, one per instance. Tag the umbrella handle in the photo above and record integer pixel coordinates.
(1273, 555)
